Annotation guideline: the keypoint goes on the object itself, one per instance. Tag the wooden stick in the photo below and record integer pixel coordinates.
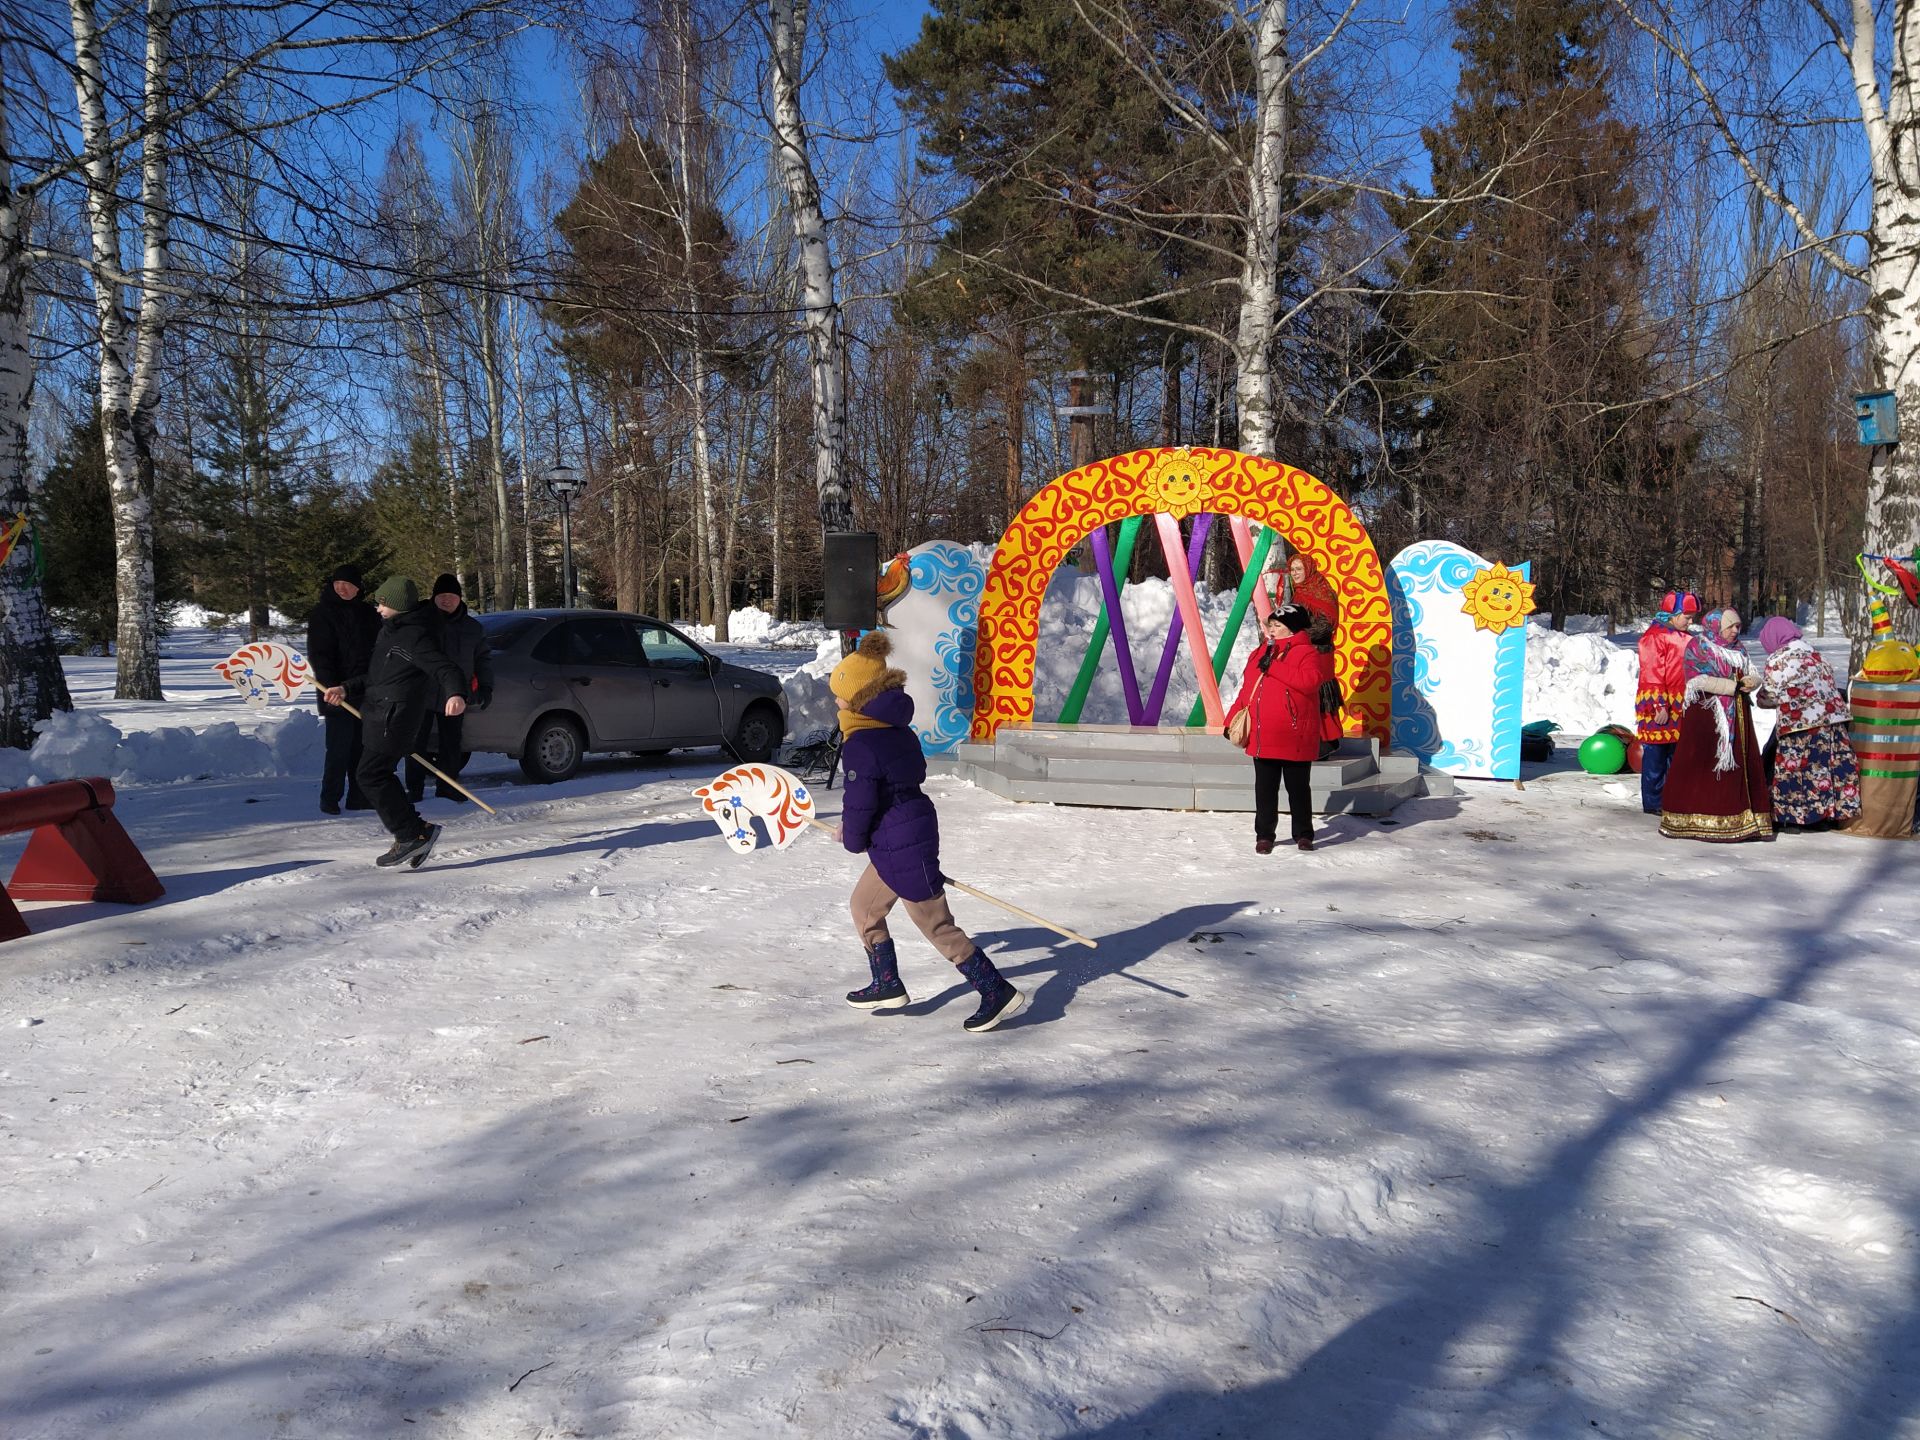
(1073, 935)
(445, 778)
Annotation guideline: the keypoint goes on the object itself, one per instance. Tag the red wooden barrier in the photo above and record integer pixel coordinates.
(78, 850)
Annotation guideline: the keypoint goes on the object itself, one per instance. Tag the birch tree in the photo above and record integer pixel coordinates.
(819, 305)
(485, 183)
(32, 684)
(128, 344)
(153, 91)
(1873, 61)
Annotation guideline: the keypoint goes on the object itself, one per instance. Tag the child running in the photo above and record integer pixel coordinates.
(888, 818)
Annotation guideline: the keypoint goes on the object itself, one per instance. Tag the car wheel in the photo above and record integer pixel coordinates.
(758, 735)
(554, 748)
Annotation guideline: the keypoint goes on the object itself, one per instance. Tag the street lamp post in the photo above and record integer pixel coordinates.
(563, 483)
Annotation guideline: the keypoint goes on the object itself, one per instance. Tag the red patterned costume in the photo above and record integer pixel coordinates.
(1662, 693)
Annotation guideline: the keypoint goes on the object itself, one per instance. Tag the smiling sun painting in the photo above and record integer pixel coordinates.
(1497, 599)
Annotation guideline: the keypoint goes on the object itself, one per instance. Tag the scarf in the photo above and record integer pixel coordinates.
(852, 720)
(1315, 591)
(1703, 660)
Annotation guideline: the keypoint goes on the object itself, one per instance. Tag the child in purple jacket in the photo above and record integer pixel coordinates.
(888, 818)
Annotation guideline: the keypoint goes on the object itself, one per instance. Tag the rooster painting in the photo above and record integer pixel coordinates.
(896, 578)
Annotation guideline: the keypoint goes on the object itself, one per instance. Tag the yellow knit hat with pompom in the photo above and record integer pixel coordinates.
(864, 674)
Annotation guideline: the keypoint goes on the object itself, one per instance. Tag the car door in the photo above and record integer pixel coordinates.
(598, 659)
(686, 708)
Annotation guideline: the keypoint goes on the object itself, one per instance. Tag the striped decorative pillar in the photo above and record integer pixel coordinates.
(1886, 738)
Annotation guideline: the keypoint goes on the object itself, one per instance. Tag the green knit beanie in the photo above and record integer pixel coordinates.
(397, 593)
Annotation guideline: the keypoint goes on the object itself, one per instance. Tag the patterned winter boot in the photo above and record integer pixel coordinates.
(998, 998)
(886, 992)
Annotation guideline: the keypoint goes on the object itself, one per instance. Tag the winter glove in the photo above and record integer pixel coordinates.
(481, 700)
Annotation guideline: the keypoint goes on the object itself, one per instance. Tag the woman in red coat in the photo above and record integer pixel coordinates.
(1281, 698)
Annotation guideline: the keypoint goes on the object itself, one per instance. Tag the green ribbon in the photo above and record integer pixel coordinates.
(1090, 662)
(1243, 598)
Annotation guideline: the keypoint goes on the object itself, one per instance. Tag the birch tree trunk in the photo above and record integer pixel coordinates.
(516, 340)
(819, 308)
(130, 482)
(1260, 258)
(486, 178)
(707, 557)
(779, 473)
(32, 684)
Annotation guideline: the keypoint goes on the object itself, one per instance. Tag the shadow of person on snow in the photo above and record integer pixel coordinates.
(1071, 966)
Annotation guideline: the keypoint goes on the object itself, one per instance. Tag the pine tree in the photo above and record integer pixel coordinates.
(1519, 411)
(244, 508)
(74, 518)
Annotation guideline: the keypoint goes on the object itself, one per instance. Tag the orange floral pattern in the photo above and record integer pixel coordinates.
(1181, 482)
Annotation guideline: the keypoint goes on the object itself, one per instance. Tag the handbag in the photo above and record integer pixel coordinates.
(1240, 729)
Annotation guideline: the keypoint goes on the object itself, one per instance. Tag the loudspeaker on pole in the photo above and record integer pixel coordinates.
(851, 573)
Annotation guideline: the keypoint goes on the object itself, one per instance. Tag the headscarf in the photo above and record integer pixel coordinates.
(1315, 591)
(1778, 633)
(1721, 620)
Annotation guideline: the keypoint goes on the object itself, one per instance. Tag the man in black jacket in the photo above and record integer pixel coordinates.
(465, 643)
(340, 633)
(407, 676)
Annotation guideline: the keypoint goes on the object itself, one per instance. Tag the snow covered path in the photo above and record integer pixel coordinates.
(1509, 1119)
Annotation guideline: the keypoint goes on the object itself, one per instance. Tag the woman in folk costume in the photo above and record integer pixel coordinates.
(1816, 778)
(1716, 787)
(1657, 705)
(1309, 587)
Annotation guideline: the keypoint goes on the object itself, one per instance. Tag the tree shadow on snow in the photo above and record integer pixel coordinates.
(1395, 1369)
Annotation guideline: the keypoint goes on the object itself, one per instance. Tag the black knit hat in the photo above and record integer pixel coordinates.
(349, 573)
(446, 585)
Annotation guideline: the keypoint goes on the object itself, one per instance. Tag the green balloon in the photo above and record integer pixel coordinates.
(1602, 753)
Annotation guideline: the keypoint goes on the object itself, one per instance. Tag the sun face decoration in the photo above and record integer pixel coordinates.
(1180, 483)
(1497, 599)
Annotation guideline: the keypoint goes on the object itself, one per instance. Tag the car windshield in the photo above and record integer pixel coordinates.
(504, 630)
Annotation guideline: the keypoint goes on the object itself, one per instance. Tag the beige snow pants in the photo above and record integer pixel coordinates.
(873, 898)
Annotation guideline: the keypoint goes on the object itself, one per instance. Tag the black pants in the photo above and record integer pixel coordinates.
(1267, 778)
(389, 796)
(343, 755)
(439, 740)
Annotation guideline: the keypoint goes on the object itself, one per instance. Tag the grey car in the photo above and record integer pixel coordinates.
(566, 682)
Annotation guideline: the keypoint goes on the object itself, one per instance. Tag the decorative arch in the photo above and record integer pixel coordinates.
(1181, 482)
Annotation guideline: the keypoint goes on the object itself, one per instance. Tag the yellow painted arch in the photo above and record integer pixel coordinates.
(1181, 482)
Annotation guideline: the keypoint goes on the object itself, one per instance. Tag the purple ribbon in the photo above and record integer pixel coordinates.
(1117, 625)
(1196, 553)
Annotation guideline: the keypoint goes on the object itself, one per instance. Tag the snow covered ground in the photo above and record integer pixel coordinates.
(1505, 1118)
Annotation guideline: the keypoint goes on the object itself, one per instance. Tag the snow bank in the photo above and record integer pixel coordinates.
(198, 617)
(754, 626)
(1580, 682)
(72, 745)
(810, 707)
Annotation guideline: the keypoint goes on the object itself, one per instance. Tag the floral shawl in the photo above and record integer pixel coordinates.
(1705, 660)
(1801, 683)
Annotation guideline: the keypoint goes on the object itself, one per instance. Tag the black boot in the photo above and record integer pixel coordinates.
(998, 999)
(886, 992)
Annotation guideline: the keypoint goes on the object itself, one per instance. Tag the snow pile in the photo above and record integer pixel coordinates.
(1580, 682)
(198, 617)
(810, 707)
(754, 626)
(1067, 618)
(76, 744)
